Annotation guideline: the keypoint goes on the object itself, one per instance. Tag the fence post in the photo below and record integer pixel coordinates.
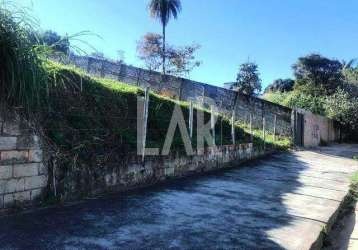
(274, 128)
(191, 114)
(145, 120)
(251, 135)
(212, 123)
(139, 73)
(121, 72)
(89, 63)
(54, 177)
(221, 131)
(102, 69)
(263, 131)
(233, 127)
(293, 127)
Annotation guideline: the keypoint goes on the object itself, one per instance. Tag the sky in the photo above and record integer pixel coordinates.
(271, 33)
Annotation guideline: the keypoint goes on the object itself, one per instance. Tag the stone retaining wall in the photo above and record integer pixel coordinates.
(23, 176)
(132, 173)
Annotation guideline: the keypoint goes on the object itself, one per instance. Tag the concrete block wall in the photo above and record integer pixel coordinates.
(188, 90)
(23, 176)
(318, 129)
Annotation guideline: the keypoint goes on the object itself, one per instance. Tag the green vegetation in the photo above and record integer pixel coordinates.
(21, 72)
(343, 106)
(353, 194)
(248, 79)
(87, 121)
(354, 178)
(346, 209)
(277, 97)
(297, 99)
(280, 85)
(355, 157)
(163, 10)
(271, 141)
(351, 199)
(317, 75)
(323, 86)
(98, 124)
(107, 105)
(180, 61)
(52, 39)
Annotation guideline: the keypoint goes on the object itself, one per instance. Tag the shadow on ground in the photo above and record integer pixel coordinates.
(230, 209)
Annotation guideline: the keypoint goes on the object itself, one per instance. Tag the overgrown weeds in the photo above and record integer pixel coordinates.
(22, 77)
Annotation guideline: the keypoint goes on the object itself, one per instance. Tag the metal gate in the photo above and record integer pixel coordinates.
(298, 129)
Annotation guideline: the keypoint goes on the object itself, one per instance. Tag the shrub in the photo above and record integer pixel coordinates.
(22, 77)
(315, 104)
(280, 85)
(276, 97)
(297, 99)
(343, 108)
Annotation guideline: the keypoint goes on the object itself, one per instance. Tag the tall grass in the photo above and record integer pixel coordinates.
(22, 77)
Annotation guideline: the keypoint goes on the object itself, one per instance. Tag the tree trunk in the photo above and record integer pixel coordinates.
(164, 55)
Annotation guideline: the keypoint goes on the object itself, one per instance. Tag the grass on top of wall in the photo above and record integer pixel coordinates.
(271, 141)
(94, 120)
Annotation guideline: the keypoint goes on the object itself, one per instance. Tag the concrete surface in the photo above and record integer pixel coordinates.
(344, 234)
(278, 203)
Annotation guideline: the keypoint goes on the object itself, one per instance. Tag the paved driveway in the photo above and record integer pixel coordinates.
(280, 202)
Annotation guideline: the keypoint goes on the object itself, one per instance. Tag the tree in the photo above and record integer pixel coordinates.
(164, 10)
(298, 99)
(150, 50)
(351, 75)
(350, 72)
(180, 61)
(280, 85)
(343, 107)
(318, 75)
(248, 80)
(348, 64)
(57, 42)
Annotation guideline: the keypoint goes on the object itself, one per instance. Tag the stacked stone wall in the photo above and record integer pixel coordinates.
(132, 172)
(23, 176)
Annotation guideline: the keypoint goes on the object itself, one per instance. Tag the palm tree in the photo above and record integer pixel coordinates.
(164, 10)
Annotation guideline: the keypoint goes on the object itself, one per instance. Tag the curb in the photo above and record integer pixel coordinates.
(318, 244)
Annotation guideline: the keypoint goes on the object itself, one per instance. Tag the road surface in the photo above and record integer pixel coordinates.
(281, 202)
